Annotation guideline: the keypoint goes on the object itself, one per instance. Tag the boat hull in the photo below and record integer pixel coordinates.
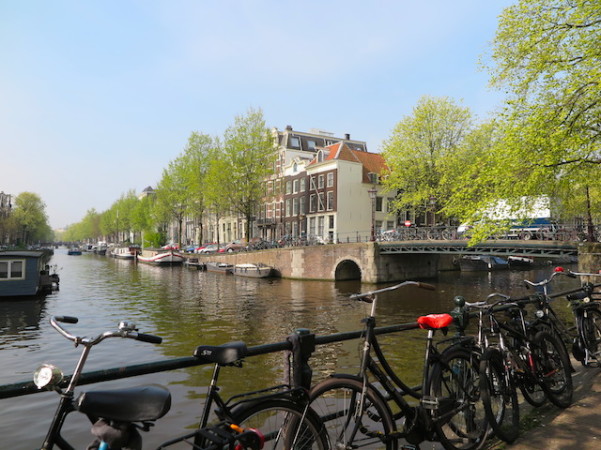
(219, 267)
(478, 263)
(162, 259)
(253, 270)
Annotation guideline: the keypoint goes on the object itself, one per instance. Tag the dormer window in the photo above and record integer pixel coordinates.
(321, 156)
(373, 177)
(294, 141)
(311, 145)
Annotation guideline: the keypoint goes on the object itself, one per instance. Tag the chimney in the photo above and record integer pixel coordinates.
(288, 127)
(347, 136)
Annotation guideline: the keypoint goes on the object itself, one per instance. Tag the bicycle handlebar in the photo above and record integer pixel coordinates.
(125, 330)
(419, 284)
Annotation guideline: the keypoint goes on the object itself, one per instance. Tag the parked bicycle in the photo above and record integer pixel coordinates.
(357, 414)
(515, 358)
(584, 338)
(119, 414)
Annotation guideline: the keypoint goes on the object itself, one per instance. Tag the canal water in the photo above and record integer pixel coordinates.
(188, 308)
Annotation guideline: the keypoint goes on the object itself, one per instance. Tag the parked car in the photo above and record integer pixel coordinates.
(209, 248)
(235, 246)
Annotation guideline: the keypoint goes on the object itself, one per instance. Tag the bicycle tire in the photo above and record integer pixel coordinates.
(591, 333)
(460, 420)
(553, 369)
(278, 420)
(332, 399)
(499, 396)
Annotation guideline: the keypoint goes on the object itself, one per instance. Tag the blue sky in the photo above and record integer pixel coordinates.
(97, 97)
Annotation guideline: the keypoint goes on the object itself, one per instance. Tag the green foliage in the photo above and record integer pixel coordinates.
(422, 148)
(248, 158)
(29, 219)
(547, 58)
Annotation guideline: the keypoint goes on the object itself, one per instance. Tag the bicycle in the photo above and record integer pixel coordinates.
(585, 336)
(357, 414)
(119, 414)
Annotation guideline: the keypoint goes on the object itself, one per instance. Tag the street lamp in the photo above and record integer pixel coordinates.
(372, 195)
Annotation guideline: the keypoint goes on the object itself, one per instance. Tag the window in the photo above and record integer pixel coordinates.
(378, 203)
(331, 224)
(294, 141)
(330, 179)
(313, 187)
(303, 183)
(320, 182)
(320, 225)
(312, 202)
(311, 145)
(320, 204)
(312, 226)
(295, 186)
(301, 202)
(330, 200)
(288, 208)
(288, 187)
(12, 270)
(295, 206)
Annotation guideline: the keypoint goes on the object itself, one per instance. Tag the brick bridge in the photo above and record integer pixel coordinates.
(378, 262)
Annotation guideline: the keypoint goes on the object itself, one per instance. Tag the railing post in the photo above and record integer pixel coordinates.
(303, 346)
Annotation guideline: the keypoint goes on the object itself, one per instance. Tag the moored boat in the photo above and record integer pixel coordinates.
(163, 258)
(194, 264)
(74, 251)
(129, 253)
(25, 274)
(520, 262)
(253, 270)
(472, 263)
(219, 267)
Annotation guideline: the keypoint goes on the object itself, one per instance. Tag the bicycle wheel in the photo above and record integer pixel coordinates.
(285, 424)
(460, 420)
(499, 396)
(336, 401)
(553, 369)
(591, 333)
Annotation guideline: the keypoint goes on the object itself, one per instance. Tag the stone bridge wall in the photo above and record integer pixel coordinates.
(340, 262)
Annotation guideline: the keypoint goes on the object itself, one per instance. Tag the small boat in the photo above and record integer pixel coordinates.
(74, 251)
(25, 274)
(253, 270)
(129, 253)
(520, 262)
(194, 264)
(472, 263)
(219, 267)
(163, 258)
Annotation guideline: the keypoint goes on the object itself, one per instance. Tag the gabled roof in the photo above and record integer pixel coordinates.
(371, 162)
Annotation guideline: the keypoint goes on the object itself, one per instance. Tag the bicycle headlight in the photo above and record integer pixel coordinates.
(539, 313)
(47, 375)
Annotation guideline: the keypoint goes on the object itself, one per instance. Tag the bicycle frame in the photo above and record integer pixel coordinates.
(420, 421)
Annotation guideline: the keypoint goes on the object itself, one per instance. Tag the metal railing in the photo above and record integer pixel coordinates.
(302, 344)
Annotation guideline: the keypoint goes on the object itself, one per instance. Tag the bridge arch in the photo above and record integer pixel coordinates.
(347, 269)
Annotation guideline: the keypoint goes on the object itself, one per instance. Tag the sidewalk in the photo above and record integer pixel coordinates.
(576, 428)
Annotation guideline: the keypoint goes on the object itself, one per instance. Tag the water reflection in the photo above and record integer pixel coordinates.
(189, 308)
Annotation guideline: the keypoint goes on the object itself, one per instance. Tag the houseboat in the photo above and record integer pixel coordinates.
(162, 258)
(129, 253)
(25, 274)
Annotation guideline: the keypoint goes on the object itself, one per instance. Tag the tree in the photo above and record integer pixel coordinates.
(30, 219)
(547, 58)
(417, 151)
(249, 155)
(196, 158)
(172, 196)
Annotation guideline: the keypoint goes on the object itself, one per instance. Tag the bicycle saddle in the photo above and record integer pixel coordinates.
(222, 354)
(434, 321)
(135, 404)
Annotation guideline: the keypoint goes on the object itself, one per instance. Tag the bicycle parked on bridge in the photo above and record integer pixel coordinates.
(282, 414)
(357, 413)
